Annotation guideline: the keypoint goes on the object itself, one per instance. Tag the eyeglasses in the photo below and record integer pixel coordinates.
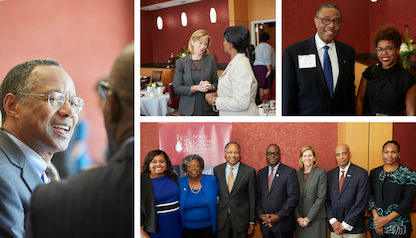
(56, 99)
(105, 87)
(273, 153)
(232, 152)
(327, 21)
(196, 166)
(389, 49)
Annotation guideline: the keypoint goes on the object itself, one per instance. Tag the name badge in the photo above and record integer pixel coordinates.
(307, 61)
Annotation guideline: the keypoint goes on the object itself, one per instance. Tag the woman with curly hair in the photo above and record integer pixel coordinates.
(386, 88)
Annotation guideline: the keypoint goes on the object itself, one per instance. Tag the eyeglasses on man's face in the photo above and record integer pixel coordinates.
(272, 153)
(389, 49)
(326, 21)
(56, 99)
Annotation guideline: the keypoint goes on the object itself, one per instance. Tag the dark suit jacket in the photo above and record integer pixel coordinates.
(305, 91)
(282, 198)
(241, 200)
(182, 82)
(349, 204)
(93, 203)
(18, 179)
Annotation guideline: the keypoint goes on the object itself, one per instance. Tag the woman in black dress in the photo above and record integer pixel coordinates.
(387, 88)
(393, 189)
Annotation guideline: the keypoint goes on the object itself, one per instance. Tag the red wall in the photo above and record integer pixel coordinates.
(298, 22)
(156, 45)
(255, 137)
(84, 36)
(398, 13)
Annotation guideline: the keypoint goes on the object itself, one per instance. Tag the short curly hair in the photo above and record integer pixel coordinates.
(388, 32)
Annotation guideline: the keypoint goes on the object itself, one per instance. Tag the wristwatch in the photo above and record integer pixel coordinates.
(214, 106)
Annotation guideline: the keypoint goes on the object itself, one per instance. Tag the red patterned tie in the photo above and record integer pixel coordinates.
(341, 180)
(270, 179)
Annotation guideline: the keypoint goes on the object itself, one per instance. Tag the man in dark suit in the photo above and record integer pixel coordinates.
(96, 202)
(277, 196)
(37, 122)
(318, 73)
(236, 208)
(347, 196)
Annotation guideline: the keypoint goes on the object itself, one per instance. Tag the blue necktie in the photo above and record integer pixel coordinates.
(328, 71)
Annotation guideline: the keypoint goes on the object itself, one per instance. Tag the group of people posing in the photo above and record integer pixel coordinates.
(318, 74)
(285, 201)
(234, 93)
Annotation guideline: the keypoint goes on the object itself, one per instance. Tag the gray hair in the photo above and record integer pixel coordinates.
(328, 5)
(188, 160)
(232, 142)
(17, 80)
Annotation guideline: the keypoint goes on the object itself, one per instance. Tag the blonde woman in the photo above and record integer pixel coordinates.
(196, 76)
(310, 213)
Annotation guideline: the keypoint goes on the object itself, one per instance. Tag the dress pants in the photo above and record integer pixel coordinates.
(271, 234)
(227, 231)
(345, 235)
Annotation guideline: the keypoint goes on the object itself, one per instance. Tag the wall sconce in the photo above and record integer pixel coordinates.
(373, 0)
(184, 18)
(213, 15)
(159, 21)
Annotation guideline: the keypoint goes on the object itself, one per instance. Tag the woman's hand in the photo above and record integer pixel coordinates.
(203, 86)
(143, 233)
(210, 97)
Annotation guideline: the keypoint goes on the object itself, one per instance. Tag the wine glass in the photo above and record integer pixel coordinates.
(265, 104)
(273, 104)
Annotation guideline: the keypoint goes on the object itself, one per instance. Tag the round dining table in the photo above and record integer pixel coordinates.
(154, 106)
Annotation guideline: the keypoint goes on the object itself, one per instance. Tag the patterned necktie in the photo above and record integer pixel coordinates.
(328, 71)
(341, 180)
(52, 173)
(230, 180)
(270, 179)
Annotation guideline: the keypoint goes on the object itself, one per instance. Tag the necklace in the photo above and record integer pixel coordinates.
(193, 191)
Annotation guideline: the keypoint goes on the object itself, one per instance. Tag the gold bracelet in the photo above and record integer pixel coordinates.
(192, 91)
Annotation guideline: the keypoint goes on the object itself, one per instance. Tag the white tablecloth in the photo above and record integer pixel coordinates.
(157, 106)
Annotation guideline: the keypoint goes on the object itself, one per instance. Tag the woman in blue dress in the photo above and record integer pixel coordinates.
(160, 217)
(392, 194)
(198, 199)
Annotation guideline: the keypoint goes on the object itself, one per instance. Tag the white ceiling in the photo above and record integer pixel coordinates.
(171, 3)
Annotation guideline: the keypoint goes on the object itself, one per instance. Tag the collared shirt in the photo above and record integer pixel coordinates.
(34, 158)
(332, 51)
(274, 170)
(346, 226)
(228, 169)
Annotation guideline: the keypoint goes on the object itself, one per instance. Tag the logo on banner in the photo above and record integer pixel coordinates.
(193, 144)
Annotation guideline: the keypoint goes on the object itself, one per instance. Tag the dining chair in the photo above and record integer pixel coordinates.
(156, 76)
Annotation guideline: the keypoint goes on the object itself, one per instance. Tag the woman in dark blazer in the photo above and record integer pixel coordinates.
(198, 199)
(310, 213)
(196, 76)
(160, 215)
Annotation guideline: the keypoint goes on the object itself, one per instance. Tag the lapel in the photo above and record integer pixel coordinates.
(319, 73)
(276, 177)
(240, 174)
(221, 179)
(187, 71)
(341, 65)
(310, 178)
(347, 178)
(17, 158)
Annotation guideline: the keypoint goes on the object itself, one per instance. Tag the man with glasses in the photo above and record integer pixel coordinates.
(318, 73)
(277, 196)
(39, 112)
(236, 215)
(96, 202)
